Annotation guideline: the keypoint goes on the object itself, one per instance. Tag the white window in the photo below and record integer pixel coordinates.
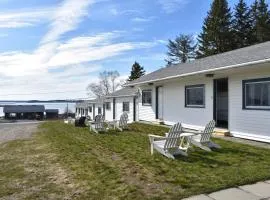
(194, 96)
(90, 109)
(256, 94)
(147, 97)
(125, 106)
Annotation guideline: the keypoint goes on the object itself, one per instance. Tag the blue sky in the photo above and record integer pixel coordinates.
(53, 49)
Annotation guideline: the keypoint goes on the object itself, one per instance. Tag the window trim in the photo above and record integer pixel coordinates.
(90, 108)
(195, 86)
(244, 82)
(147, 104)
(128, 106)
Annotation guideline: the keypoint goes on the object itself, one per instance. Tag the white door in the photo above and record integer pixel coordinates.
(160, 103)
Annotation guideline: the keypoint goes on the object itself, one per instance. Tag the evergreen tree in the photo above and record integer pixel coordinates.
(181, 50)
(217, 34)
(242, 25)
(261, 18)
(136, 72)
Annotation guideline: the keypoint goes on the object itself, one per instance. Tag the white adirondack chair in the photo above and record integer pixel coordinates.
(120, 124)
(98, 125)
(123, 122)
(203, 138)
(169, 145)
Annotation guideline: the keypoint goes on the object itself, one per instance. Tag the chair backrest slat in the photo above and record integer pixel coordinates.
(123, 120)
(173, 136)
(208, 131)
(99, 123)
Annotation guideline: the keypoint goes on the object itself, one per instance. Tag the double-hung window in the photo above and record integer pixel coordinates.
(108, 105)
(256, 94)
(147, 97)
(195, 96)
(125, 106)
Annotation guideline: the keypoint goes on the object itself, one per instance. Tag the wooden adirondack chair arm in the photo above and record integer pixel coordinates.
(156, 136)
(152, 138)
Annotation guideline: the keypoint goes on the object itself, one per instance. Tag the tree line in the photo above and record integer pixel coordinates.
(224, 29)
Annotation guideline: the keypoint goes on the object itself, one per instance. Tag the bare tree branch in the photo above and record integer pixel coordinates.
(108, 83)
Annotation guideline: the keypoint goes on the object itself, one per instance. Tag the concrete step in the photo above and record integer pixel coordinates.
(158, 121)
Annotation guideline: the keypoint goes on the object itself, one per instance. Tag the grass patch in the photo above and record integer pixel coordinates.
(70, 162)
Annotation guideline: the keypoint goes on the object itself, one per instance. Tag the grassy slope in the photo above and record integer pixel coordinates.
(119, 165)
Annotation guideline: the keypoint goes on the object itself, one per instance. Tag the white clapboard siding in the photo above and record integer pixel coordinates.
(119, 107)
(251, 124)
(147, 113)
(174, 102)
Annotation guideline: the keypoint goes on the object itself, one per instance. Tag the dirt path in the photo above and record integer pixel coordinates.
(16, 131)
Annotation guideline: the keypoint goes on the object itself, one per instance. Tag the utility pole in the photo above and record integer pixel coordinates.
(67, 108)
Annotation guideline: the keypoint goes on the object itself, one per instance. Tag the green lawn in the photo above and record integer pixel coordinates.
(67, 162)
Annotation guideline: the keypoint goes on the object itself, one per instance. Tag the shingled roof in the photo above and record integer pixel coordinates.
(240, 57)
(24, 109)
(124, 92)
(86, 103)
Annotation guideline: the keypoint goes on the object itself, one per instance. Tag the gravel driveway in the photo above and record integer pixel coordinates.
(14, 131)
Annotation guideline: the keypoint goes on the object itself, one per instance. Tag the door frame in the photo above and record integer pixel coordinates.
(215, 100)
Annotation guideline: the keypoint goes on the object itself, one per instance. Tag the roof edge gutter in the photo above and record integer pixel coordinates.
(204, 71)
(131, 95)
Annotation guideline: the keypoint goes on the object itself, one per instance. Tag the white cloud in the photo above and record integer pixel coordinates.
(86, 41)
(162, 41)
(33, 71)
(74, 51)
(47, 86)
(117, 12)
(170, 6)
(2, 35)
(88, 54)
(26, 18)
(143, 19)
(57, 65)
(66, 18)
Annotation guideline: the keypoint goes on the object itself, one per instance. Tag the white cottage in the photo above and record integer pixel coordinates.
(111, 106)
(233, 88)
(90, 108)
(123, 100)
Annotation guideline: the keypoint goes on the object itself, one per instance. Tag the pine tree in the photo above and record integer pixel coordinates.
(136, 72)
(181, 50)
(261, 18)
(242, 25)
(217, 34)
